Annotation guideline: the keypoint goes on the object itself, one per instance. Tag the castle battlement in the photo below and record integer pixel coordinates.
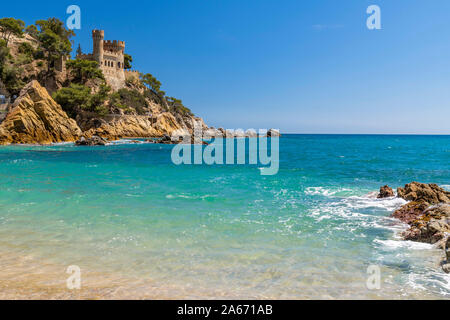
(110, 57)
(98, 33)
(114, 43)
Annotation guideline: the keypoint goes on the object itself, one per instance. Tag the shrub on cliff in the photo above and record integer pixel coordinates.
(11, 78)
(10, 27)
(84, 70)
(27, 49)
(26, 54)
(72, 98)
(32, 31)
(4, 54)
(10, 70)
(176, 106)
(128, 100)
(77, 98)
(97, 100)
(152, 83)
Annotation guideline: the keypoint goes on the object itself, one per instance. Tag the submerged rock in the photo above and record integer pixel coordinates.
(385, 192)
(92, 141)
(446, 268)
(169, 140)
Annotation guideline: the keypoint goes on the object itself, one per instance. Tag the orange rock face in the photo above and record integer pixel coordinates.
(136, 127)
(36, 118)
(430, 193)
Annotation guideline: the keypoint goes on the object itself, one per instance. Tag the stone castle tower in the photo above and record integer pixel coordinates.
(97, 37)
(110, 58)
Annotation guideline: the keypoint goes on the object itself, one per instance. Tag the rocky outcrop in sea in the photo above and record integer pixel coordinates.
(92, 141)
(428, 215)
(36, 118)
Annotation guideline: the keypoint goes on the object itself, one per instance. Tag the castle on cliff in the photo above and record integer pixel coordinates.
(110, 58)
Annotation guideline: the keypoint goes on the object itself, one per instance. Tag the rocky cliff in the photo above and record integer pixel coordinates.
(134, 126)
(134, 111)
(36, 118)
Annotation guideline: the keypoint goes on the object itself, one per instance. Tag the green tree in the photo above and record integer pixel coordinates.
(127, 60)
(9, 73)
(176, 105)
(151, 82)
(54, 39)
(77, 98)
(11, 79)
(79, 52)
(83, 70)
(96, 102)
(26, 49)
(4, 54)
(9, 27)
(129, 100)
(32, 31)
(72, 98)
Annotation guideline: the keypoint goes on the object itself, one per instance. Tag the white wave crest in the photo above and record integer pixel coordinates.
(400, 244)
(325, 192)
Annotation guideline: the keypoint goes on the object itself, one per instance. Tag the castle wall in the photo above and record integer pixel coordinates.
(132, 75)
(110, 57)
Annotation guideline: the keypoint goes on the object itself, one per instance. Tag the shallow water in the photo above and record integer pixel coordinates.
(139, 226)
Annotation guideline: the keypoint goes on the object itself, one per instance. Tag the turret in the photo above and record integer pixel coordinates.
(97, 37)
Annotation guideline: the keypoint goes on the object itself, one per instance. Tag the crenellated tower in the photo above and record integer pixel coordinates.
(110, 58)
(97, 37)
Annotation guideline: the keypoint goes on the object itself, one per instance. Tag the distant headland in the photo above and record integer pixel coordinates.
(47, 97)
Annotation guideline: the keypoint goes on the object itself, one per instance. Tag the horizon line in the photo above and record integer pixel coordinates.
(372, 134)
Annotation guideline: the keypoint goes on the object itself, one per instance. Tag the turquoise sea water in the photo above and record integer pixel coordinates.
(199, 231)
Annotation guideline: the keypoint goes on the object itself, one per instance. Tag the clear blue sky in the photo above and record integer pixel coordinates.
(301, 66)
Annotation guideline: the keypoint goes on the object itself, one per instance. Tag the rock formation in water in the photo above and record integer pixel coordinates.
(428, 216)
(92, 141)
(385, 192)
(36, 118)
(430, 193)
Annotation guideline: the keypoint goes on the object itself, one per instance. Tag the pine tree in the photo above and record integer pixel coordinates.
(79, 52)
